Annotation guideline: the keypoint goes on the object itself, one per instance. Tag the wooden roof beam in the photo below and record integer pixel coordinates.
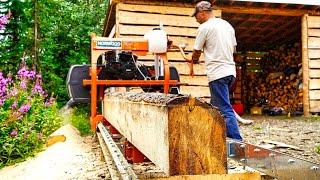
(268, 11)
(281, 28)
(249, 19)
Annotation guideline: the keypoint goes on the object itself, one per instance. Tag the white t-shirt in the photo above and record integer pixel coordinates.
(217, 39)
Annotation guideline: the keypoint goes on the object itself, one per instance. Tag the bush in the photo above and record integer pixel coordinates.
(27, 116)
(80, 119)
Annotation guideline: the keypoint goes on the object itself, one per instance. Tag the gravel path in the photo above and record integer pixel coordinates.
(76, 158)
(296, 131)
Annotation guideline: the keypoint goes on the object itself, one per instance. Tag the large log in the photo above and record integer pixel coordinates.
(180, 134)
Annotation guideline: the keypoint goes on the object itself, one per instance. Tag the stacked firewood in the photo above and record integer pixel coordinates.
(279, 83)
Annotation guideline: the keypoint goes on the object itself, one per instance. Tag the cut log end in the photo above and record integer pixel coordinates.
(180, 134)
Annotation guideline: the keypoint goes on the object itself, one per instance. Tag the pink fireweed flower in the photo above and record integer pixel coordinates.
(24, 109)
(23, 72)
(3, 22)
(13, 133)
(14, 105)
(49, 102)
(3, 85)
(13, 92)
(37, 89)
(23, 84)
(39, 77)
(31, 74)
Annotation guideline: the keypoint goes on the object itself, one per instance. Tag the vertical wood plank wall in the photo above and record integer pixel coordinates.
(314, 62)
(135, 20)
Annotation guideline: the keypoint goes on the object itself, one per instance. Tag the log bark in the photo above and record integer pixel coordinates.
(180, 134)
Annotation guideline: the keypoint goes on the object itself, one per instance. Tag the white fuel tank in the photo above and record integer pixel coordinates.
(157, 40)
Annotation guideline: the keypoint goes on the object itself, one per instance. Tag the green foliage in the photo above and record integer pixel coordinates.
(63, 39)
(27, 117)
(80, 120)
(318, 148)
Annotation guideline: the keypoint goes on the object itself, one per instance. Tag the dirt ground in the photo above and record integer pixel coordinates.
(80, 157)
(297, 131)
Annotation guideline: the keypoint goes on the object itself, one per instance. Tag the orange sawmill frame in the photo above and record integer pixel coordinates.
(138, 46)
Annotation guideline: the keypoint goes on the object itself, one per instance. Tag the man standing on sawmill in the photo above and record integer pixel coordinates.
(216, 37)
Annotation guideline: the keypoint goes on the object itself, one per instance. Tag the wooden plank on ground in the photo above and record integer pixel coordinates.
(314, 106)
(314, 53)
(161, 9)
(180, 134)
(314, 94)
(314, 22)
(314, 32)
(314, 64)
(195, 80)
(314, 84)
(313, 42)
(126, 17)
(142, 30)
(235, 176)
(314, 73)
(195, 91)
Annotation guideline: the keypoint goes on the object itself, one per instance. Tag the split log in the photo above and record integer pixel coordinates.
(180, 134)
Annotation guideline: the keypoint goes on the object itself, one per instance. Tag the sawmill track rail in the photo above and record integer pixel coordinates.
(118, 166)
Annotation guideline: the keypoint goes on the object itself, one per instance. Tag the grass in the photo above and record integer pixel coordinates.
(318, 148)
(80, 119)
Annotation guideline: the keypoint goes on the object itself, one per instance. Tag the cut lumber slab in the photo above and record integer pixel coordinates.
(161, 9)
(313, 42)
(314, 84)
(126, 17)
(314, 73)
(282, 145)
(195, 80)
(172, 56)
(314, 94)
(314, 22)
(171, 31)
(315, 106)
(180, 134)
(314, 32)
(314, 53)
(183, 68)
(314, 64)
(195, 91)
(176, 40)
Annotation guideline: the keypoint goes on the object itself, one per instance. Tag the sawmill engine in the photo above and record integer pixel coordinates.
(123, 66)
(117, 66)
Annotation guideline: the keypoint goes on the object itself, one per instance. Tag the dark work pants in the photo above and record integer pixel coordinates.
(219, 90)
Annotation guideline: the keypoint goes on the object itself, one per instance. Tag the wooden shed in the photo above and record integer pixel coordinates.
(260, 26)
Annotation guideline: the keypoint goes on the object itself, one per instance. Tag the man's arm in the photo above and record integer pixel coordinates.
(196, 55)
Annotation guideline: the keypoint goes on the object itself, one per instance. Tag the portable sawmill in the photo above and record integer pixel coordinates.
(180, 134)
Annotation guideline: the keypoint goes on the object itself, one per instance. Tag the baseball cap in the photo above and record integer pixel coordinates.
(202, 6)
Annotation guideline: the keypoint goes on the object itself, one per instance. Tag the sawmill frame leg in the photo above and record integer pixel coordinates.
(132, 154)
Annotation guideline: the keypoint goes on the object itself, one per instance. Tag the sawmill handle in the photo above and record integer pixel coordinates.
(189, 61)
